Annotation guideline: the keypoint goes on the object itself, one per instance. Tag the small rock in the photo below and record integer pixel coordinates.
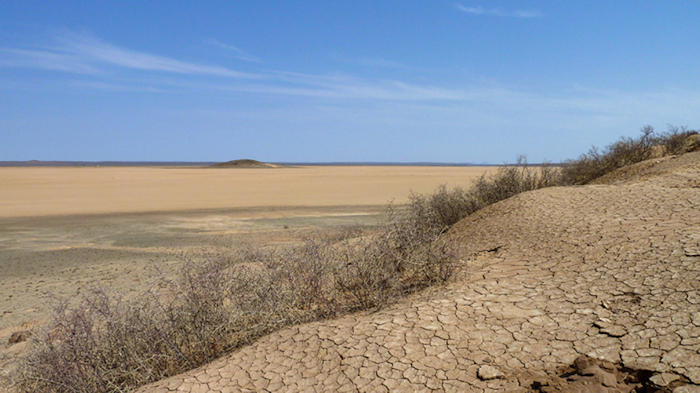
(487, 372)
(603, 377)
(581, 363)
(592, 370)
(18, 337)
(614, 331)
(663, 379)
(607, 379)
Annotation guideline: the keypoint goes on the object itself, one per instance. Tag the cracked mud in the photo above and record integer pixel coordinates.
(606, 276)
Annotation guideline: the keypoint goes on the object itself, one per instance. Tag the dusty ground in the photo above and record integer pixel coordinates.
(577, 289)
(63, 230)
(45, 258)
(41, 191)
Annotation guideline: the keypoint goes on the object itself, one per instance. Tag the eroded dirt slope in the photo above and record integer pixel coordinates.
(607, 274)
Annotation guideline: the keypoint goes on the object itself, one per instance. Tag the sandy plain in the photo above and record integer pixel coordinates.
(37, 191)
(604, 273)
(63, 230)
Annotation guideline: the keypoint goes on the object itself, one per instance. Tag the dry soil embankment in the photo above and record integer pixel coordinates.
(607, 271)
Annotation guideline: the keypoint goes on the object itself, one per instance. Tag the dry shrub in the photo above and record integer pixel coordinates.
(410, 253)
(625, 151)
(439, 210)
(111, 344)
(674, 139)
(512, 180)
(406, 256)
(436, 212)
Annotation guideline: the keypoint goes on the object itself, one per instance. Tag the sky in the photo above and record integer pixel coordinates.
(324, 81)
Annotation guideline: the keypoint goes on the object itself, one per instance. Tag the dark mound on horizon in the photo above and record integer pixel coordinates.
(245, 163)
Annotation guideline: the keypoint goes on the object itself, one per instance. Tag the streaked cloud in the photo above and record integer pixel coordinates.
(44, 59)
(118, 87)
(100, 63)
(234, 51)
(377, 90)
(479, 10)
(81, 53)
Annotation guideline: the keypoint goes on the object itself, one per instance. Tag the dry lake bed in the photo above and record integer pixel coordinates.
(65, 229)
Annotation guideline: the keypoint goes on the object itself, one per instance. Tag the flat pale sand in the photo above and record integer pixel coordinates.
(28, 192)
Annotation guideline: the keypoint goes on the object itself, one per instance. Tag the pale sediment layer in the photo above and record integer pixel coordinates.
(46, 191)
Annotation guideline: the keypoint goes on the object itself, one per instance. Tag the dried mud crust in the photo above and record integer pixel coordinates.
(677, 171)
(611, 273)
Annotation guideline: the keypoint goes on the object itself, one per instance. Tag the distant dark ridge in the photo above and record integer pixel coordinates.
(245, 163)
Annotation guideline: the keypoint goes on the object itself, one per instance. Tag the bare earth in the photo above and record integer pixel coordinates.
(69, 191)
(64, 230)
(567, 289)
(611, 272)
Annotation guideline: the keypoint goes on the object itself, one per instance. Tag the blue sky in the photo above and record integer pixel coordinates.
(447, 81)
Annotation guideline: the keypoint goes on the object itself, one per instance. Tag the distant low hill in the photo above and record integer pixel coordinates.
(245, 163)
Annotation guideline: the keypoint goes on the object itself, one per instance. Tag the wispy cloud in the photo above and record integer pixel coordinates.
(80, 53)
(44, 59)
(378, 90)
(380, 63)
(101, 65)
(90, 56)
(118, 87)
(479, 10)
(234, 50)
(96, 50)
(342, 87)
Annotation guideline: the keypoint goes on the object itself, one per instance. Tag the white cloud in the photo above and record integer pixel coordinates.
(378, 90)
(49, 60)
(235, 51)
(100, 62)
(478, 10)
(80, 53)
(93, 49)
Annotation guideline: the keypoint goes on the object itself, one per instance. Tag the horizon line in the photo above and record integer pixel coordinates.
(118, 163)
